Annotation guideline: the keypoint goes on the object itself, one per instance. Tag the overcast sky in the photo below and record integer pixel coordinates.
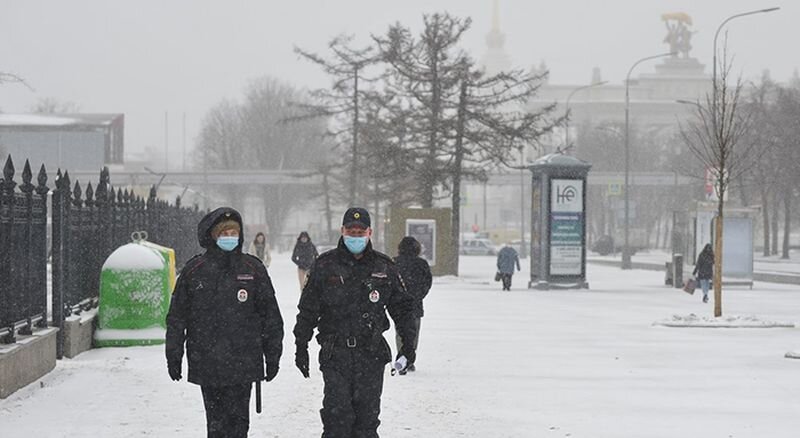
(145, 57)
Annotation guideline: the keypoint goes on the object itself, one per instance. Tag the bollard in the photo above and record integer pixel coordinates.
(668, 274)
(677, 271)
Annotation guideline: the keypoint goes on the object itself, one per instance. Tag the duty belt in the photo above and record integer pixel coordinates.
(351, 341)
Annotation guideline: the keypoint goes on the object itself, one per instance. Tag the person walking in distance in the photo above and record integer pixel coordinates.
(260, 248)
(416, 274)
(348, 292)
(303, 256)
(704, 269)
(223, 310)
(507, 258)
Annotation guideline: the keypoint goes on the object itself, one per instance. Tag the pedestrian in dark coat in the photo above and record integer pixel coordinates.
(348, 292)
(303, 256)
(507, 258)
(704, 269)
(223, 310)
(416, 274)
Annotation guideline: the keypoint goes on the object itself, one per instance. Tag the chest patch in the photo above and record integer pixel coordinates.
(244, 277)
(374, 296)
(242, 295)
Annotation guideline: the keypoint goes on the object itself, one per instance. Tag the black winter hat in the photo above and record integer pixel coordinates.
(356, 216)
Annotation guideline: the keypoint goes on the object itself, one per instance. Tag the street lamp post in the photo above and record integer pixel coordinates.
(626, 253)
(714, 55)
(566, 108)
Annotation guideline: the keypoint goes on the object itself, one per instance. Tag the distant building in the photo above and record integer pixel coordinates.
(495, 59)
(75, 142)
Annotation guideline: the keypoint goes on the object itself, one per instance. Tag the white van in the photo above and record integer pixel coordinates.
(478, 247)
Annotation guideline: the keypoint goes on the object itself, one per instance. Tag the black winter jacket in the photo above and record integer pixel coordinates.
(304, 254)
(704, 268)
(224, 310)
(346, 299)
(416, 274)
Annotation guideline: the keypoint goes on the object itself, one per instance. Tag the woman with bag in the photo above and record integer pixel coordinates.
(303, 256)
(704, 269)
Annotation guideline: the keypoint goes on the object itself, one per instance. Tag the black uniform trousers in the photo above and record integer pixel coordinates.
(227, 410)
(352, 396)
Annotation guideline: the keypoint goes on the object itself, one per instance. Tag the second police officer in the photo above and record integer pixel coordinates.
(348, 292)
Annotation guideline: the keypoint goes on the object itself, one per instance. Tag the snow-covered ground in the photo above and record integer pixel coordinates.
(768, 265)
(491, 364)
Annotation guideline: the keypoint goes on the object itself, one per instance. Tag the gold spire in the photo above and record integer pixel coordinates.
(496, 16)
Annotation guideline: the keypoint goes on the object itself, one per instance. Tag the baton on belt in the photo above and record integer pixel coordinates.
(258, 396)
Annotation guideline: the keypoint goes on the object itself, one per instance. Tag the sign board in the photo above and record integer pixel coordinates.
(614, 189)
(424, 230)
(566, 227)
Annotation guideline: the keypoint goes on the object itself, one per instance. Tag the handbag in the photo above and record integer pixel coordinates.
(497, 276)
(690, 286)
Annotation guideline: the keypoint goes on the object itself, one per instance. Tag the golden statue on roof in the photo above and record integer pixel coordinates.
(679, 37)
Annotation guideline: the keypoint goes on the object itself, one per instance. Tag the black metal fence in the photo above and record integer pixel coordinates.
(87, 225)
(23, 252)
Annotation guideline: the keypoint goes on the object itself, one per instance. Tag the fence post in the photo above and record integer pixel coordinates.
(6, 234)
(25, 283)
(57, 251)
(76, 260)
(92, 250)
(40, 220)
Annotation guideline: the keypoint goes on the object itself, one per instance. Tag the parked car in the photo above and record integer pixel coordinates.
(478, 247)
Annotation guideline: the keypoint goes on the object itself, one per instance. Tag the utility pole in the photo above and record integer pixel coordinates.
(166, 141)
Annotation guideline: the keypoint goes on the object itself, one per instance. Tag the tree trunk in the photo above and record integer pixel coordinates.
(765, 220)
(326, 190)
(354, 159)
(718, 264)
(436, 105)
(787, 222)
(458, 160)
(776, 207)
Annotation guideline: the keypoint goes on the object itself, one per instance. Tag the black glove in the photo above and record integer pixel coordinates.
(301, 359)
(272, 371)
(174, 369)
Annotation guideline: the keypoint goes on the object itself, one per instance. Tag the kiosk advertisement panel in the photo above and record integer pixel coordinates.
(566, 227)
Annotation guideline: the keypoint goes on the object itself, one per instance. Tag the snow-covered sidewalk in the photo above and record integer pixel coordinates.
(491, 364)
(761, 264)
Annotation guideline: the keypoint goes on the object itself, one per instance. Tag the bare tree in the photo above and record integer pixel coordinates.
(787, 112)
(492, 124)
(256, 135)
(347, 69)
(760, 103)
(11, 78)
(426, 71)
(714, 137)
(51, 105)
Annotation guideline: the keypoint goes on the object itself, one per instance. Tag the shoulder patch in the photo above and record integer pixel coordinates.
(327, 253)
(192, 264)
(384, 257)
(252, 260)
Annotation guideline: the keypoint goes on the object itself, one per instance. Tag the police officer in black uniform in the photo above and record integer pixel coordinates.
(346, 297)
(224, 310)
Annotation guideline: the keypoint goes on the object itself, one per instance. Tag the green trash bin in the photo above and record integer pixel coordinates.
(135, 288)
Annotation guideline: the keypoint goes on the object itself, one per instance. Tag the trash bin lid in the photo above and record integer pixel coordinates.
(134, 257)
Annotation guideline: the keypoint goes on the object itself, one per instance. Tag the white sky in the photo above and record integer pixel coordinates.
(145, 57)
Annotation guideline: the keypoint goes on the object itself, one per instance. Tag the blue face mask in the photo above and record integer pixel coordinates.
(355, 245)
(228, 243)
